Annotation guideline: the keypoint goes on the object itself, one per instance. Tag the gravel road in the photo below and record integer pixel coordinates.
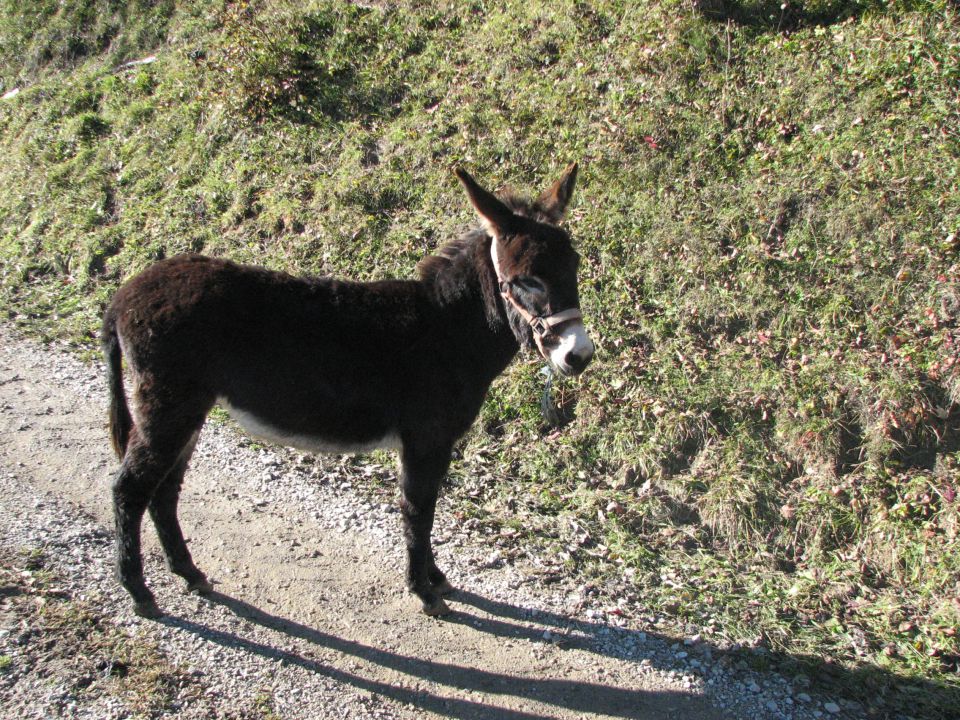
(310, 618)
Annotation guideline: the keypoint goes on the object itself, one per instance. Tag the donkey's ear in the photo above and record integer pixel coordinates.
(496, 217)
(555, 198)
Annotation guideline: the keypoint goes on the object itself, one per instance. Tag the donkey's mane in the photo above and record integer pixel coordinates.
(450, 256)
(459, 269)
(454, 254)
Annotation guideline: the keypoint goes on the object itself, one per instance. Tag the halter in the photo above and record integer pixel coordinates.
(543, 326)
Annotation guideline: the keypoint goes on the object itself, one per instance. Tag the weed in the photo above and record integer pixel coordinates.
(263, 705)
(71, 640)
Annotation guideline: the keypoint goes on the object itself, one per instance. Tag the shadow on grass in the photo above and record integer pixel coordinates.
(776, 15)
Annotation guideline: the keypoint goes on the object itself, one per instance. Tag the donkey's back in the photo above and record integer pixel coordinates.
(208, 308)
(321, 364)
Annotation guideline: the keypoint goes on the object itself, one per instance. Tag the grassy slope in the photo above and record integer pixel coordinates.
(767, 443)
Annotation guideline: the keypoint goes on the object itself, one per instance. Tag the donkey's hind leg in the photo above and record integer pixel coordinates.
(145, 466)
(163, 512)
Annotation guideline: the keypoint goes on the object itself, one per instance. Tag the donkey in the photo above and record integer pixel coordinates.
(333, 366)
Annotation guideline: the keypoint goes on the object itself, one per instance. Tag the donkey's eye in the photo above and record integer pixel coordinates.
(530, 285)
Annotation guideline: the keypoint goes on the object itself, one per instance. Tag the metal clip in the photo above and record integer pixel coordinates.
(540, 326)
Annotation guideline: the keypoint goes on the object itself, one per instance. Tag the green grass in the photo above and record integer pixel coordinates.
(768, 213)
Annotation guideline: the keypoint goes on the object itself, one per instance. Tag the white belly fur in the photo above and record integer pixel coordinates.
(264, 431)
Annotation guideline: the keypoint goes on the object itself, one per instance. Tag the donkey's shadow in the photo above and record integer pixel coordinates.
(511, 621)
(572, 695)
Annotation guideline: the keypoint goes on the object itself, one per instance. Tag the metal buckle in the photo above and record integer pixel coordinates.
(540, 326)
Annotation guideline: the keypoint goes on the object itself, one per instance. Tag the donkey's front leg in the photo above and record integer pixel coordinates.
(420, 478)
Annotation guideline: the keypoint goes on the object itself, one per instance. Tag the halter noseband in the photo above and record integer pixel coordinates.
(543, 326)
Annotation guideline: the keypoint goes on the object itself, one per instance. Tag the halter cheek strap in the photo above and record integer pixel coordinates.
(543, 326)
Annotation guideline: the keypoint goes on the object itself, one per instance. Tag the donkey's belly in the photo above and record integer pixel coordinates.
(264, 430)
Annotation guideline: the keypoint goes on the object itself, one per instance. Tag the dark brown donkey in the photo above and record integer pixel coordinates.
(333, 366)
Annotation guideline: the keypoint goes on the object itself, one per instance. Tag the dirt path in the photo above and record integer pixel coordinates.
(310, 612)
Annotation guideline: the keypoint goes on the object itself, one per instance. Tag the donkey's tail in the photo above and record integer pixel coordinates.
(120, 420)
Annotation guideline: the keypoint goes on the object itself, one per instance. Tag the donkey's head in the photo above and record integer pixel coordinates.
(536, 268)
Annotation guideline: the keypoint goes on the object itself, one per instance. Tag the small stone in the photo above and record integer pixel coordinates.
(803, 697)
(753, 687)
(772, 706)
(831, 708)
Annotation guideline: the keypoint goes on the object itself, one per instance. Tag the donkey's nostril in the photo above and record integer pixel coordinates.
(576, 362)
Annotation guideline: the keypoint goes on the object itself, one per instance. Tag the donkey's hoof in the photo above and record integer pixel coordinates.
(148, 609)
(444, 587)
(201, 586)
(436, 608)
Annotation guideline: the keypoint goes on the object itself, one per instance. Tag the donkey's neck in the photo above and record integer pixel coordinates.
(461, 281)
